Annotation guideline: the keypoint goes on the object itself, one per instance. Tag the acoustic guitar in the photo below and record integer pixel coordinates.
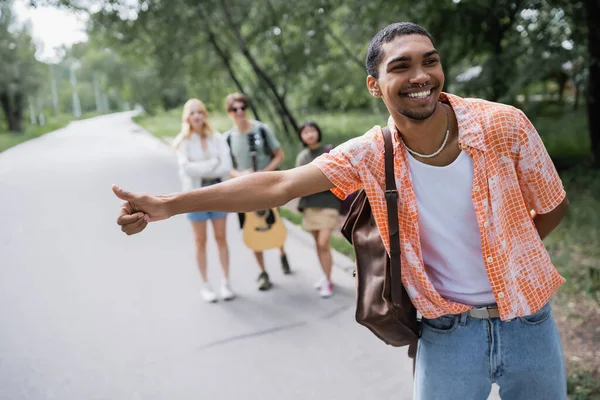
(264, 229)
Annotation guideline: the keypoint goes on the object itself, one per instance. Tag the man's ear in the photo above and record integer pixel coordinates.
(373, 86)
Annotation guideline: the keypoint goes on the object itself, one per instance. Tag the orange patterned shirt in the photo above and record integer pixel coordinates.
(512, 175)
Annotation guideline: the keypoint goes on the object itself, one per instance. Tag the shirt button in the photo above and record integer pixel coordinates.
(503, 243)
(476, 189)
(501, 295)
(486, 224)
(490, 259)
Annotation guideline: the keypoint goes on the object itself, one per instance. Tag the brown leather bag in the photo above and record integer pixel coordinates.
(382, 303)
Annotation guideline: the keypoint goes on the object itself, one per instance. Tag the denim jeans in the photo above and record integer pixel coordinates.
(459, 357)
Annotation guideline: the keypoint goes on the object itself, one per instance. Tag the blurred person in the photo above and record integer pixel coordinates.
(269, 157)
(203, 157)
(477, 193)
(320, 211)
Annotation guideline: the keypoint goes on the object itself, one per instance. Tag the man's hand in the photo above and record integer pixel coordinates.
(139, 209)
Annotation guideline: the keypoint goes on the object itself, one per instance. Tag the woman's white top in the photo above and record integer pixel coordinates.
(197, 165)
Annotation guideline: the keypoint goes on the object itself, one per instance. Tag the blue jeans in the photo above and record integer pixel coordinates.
(459, 357)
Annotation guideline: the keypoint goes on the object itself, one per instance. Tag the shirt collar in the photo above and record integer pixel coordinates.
(470, 129)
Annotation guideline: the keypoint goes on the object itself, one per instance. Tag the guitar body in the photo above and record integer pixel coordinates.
(264, 230)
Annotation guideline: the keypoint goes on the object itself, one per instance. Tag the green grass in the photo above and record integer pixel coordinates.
(293, 217)
(565, 135)
(575, 245)
(10, 139)
(582, 385)
(343, 246)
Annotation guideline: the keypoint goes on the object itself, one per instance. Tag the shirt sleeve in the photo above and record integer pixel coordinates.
(193, 169)
(538, 179)
(224, 165)
(341, 166)
(270, 137)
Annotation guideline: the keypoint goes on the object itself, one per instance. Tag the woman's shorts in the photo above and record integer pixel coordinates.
(205, 215)
(202, 216)
(317, 219)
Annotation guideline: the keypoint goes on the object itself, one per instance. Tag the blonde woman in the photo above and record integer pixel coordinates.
(204, 159)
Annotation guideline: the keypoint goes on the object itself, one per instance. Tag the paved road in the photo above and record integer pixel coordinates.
(89, 313)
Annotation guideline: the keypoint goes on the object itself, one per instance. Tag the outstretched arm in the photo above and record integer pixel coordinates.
(248, 193)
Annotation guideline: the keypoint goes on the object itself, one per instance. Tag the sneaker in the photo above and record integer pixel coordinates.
(226, 292)
(207, 294)
(263, 281)
(285, 266)
(326, 290)
(320, 283)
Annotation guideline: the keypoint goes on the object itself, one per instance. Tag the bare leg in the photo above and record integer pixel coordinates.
(260, 259)
(220, 229)
(322, 239)
(200, 240)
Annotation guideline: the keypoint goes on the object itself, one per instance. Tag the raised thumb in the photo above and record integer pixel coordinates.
(122, 194)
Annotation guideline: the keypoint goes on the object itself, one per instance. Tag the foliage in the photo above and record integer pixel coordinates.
(19, 70)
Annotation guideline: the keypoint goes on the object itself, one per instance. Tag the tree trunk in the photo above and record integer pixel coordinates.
(562, 81)
(224, 57)
(13, 111)
(593, 103)
(5, 107)
(257, 69)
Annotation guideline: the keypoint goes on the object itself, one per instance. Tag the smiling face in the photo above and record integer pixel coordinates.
(237, 111)
(410, 77)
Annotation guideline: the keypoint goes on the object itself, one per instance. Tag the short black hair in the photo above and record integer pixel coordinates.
(386, 35)
(306, 125)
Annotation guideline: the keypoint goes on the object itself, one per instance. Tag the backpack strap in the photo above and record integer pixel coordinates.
(233, 162)
(391, 199)
(263, 135)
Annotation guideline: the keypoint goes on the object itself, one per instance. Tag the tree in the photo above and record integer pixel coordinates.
(19, 70)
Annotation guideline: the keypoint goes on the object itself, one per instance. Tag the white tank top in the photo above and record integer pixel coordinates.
(449, 233)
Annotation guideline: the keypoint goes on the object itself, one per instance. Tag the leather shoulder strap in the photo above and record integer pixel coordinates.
(391, 199)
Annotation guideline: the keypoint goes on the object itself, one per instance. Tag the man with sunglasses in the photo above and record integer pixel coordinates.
(269, 157)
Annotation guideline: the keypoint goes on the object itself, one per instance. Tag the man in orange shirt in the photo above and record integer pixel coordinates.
(477, 194)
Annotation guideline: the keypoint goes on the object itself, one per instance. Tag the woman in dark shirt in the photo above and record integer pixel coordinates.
(321, 211)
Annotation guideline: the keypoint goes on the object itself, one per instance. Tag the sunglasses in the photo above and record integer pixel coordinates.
(236, 109)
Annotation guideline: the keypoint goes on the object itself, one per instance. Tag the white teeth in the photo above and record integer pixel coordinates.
(420, 95)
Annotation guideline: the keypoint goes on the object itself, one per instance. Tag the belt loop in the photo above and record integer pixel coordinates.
(463, 318)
